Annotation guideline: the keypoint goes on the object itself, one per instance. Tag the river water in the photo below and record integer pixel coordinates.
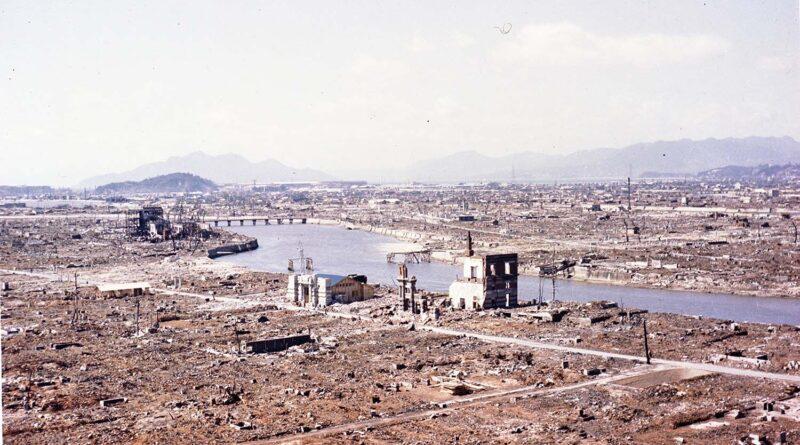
(340, 251)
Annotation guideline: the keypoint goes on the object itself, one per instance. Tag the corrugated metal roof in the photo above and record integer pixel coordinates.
(335, 279)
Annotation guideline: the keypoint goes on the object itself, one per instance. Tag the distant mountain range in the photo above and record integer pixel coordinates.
(171, 183)
(682, 157)
(221, 169)
(760, 173)
(677, 157)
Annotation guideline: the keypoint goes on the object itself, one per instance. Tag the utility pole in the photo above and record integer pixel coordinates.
(626, 230)
(541, 288)
(236, 336)
(646, 347)
(629, 193)
(75, 302)
(74, 309)
(137, 315)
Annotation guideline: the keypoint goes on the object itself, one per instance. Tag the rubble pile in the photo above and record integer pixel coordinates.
(184, 349)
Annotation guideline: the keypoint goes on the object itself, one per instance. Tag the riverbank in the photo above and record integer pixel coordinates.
(232, 249)
(638, 280)
(338, 251)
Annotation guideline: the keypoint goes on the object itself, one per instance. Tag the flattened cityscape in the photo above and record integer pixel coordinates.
(125, 320)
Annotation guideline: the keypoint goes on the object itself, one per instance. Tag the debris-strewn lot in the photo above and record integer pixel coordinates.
(172, 366)
(774, 348)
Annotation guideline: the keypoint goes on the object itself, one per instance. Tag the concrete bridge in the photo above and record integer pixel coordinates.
(411, 256)
(252, 220)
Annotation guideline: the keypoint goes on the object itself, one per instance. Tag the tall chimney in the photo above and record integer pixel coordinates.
(629, 193)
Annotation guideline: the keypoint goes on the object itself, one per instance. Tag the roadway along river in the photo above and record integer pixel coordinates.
(340, 251)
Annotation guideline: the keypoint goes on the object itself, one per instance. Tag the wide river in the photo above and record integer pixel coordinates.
(340, 251)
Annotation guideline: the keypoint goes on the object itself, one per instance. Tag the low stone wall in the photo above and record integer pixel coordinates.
(276, 344)
(600, 274)
(406, 235)
(230, 249)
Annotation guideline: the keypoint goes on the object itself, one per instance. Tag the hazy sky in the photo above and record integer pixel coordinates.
(95, 87)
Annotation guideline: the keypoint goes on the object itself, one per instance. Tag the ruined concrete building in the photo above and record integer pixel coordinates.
(148, 221)
(122, 290)
(407, 289)
(488, 282)
(318, 290)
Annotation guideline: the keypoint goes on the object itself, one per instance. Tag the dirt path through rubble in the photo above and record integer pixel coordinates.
(568, 349)
(490, 338)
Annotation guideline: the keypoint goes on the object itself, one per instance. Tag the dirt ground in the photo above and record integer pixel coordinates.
(170, 366)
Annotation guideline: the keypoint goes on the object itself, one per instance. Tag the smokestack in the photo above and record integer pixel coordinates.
(629, 193)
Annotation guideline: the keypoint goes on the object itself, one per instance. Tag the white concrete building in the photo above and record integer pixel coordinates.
(488, 282)
(318, 290)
